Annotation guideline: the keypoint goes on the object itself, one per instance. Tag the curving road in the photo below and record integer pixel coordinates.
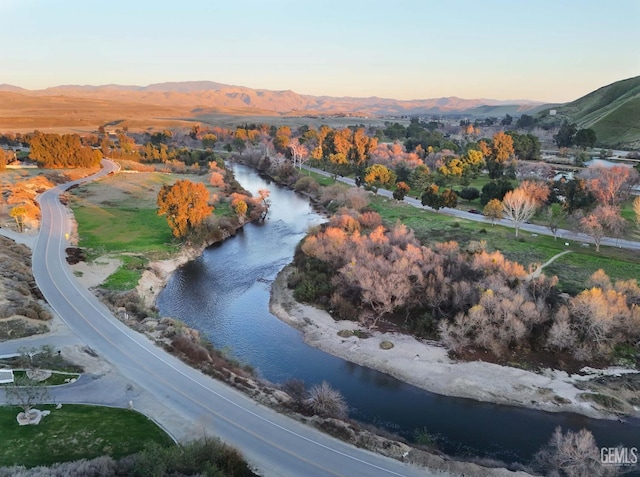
(274, 444)
(463, 214)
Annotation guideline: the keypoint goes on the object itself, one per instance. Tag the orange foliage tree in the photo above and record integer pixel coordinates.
(610, 185)
(185, 204)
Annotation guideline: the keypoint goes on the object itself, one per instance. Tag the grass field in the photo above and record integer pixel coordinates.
(573, 270)
(75, 432)
(122, 229)
(118, 216)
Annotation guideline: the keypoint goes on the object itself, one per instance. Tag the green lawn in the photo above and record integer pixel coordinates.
(127, 276)
(320, 179)
(122, 229)
(573, 270)
(75, 432)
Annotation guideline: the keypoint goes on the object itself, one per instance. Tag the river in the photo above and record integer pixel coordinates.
(225, 294)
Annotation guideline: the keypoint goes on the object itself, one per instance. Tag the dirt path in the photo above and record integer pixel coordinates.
(536, 273)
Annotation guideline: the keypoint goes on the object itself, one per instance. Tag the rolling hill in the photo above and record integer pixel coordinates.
(612, 111)
(179, 103)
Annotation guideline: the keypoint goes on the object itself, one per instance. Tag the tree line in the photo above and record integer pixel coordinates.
(55, 151)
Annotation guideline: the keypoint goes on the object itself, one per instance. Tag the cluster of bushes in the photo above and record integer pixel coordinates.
(55, 151)
(473, 298)
(205, 457)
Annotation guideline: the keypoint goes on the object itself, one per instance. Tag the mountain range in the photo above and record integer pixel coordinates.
(200, 97)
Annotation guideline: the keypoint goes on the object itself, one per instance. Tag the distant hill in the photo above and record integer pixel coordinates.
(202, 95)
(612, 111)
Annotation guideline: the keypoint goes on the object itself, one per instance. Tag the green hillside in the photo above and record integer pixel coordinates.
(612, 111)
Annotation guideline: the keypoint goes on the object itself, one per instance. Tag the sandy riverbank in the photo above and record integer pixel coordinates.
(427, 365)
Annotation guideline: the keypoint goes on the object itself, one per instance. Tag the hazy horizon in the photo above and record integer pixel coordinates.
(546, 51)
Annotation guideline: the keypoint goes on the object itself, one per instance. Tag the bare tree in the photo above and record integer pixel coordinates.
(518, 206)
(26, 393)
(299, 153)
(636, 209)
(574, 454)
(604, 219)
(555, 216)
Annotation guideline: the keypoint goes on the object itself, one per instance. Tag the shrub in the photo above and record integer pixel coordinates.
(194, 351)
(296, 389)
(306, 184)
(325, 400)
(370, 220)
(344, 309)
(574, 454)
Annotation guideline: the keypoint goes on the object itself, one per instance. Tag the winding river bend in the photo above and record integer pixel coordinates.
(225, 294)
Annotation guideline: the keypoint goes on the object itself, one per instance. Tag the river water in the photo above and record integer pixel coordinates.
(225, 294)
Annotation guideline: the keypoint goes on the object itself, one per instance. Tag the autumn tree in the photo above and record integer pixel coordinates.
(536, 190)
(209, 140)
(449, 198)
(18, 213)
(497, 153)
(431, 197)
(518, 207)
(402, 189)
(3, 160)
(185, 204)
(361, 147)
(610, 185)
(377, 176)
(602, 220)
(241, 210)
(55, 151)
(493, 210)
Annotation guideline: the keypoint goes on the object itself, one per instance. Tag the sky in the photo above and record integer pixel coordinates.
(544, 50)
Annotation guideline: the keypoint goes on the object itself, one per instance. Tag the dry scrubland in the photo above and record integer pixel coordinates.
(22, 309)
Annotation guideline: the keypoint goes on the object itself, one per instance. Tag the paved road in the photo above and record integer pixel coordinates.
(273, 443)
(565, 235)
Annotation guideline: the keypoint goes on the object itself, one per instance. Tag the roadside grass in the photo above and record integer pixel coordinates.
(320, 179)
(573, 270)
(75, 432)
(127, 275)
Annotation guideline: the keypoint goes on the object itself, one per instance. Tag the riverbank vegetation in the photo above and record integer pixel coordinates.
(119, 215)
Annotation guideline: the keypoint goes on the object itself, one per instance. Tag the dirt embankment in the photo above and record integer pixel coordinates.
(23, 311)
